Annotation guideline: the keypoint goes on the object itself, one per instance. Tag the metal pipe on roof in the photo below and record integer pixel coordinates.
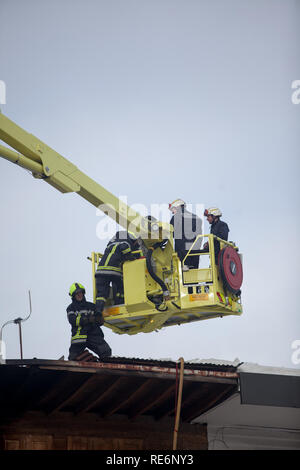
(178, 404)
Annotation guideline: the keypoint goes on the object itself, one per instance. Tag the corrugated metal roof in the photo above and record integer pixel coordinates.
(193, 364)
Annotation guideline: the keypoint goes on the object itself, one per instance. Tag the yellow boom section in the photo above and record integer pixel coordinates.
(54, 169)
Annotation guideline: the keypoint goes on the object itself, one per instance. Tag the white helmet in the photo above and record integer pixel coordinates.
(213, 211)
(176, 203)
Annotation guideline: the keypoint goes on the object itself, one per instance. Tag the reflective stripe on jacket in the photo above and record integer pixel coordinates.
(78, 314)
(115, 255)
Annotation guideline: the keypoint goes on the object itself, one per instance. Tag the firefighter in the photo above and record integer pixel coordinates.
(85, 322)
(217, 227)
(186, 228)
(110, 268)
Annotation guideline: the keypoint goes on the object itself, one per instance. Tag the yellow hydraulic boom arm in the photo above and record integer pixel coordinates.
(46, 163)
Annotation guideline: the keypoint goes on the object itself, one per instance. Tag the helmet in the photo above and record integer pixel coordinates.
(176, 203)
(213, 211)
(76, 287)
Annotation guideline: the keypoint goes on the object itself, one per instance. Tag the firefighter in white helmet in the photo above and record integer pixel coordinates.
(186, 228)
(217, 227)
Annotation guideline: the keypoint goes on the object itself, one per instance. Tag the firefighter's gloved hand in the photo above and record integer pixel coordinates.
(99, 319)
(98, 312)
(84, 320)
(92, 319)
(99, 307)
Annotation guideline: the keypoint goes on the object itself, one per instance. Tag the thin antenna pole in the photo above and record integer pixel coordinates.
(20, 337)
(18, 322)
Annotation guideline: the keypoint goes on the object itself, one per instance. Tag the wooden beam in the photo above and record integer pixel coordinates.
(153, 401)
(188, 392)
(131, 396)
(101, 397)
(73, 395)
(195, 412)
(51, 394)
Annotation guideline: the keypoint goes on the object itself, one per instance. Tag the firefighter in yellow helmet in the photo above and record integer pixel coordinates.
(85, 323)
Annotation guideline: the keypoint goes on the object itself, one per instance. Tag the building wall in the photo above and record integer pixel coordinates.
(234, 426)
(64, 431)
(252, 438)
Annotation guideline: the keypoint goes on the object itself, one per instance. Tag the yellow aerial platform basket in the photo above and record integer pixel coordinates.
(157, 291)
(195, 294)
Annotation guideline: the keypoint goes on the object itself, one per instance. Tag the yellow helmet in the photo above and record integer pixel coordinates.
(76, 287)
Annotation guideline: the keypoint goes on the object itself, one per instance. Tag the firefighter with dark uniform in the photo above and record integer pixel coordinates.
(85, 322)
(217, 227)
(110, 268)
(186, 228)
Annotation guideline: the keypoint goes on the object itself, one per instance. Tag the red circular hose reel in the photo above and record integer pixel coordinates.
(231, 269)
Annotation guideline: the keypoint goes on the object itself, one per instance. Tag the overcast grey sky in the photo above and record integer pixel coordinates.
(155, 100)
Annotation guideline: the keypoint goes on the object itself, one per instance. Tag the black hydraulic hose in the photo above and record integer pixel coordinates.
(154, 276)
(175, 305)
